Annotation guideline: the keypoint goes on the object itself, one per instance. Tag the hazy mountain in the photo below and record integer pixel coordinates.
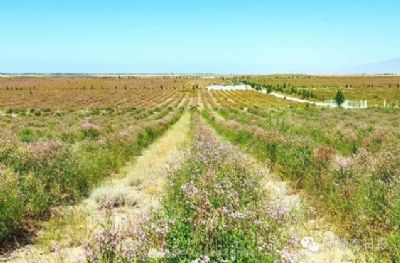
(387, 66)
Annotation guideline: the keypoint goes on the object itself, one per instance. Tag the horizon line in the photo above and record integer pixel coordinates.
(5, 74)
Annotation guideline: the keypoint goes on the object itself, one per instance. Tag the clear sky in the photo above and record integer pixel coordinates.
(220, 36)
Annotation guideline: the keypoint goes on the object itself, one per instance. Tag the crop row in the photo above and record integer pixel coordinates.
(346, 161)
(72, 126)
(50, 160)
(215, 209)
(375, 89)
(77, 93)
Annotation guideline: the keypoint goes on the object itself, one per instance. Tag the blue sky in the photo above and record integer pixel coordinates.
(197, 36)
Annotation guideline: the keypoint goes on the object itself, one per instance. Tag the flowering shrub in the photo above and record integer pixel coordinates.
(90, 130)
(349, 167)
(109, 243)
(46, 173)
(214, 210)
(103, 248)
(216, 205)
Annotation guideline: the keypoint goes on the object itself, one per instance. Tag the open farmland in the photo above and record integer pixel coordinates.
(161, 169)
(89, 92)
(375, 89)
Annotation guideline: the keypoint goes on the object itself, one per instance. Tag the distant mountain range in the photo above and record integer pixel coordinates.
(388, 66)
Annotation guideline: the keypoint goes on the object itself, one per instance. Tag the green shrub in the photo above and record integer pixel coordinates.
(393, 249)
(90, 130)
(295, 160)
(51, 173)
(210, 207)
(11, 205)
(27, 136)
(356, 186)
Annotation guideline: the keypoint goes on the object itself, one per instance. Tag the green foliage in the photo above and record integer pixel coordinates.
(11, 206)
(91, 133)
(49, 173)
(339, 98)
(205, 201)
(27, 136)
(361, 189)
(394, 246)
(214, 210)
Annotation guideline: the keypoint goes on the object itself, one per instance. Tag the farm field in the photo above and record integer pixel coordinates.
(66, 93)
(375, 89)
(335, 157)
(160, 169)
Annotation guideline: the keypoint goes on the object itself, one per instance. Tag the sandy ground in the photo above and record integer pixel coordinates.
(141, 184)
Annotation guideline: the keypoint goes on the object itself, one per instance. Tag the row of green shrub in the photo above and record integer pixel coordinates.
(48, 112)
(37, 176)
(213, 202)
(302, 92)
(88, 131)
(365, 201)
(214, 210)
(281, 122)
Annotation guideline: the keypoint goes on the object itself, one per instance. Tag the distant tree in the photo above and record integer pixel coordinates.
(339, 98)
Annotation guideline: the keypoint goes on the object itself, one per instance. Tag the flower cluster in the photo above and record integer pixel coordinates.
(42, 152)
(278, 211)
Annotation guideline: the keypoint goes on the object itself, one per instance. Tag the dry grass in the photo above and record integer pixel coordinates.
(150, 169)
(67, 229)
(109, 196)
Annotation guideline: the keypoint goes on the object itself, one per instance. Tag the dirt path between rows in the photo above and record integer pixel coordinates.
(312, 240)
(132, 196)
